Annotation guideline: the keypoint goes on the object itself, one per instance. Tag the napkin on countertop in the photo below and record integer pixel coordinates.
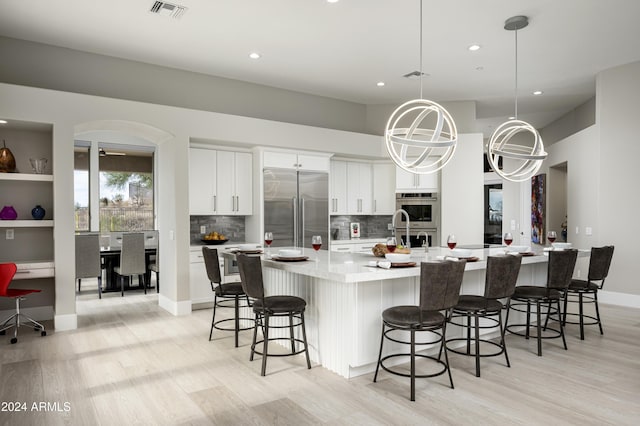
(380, 264)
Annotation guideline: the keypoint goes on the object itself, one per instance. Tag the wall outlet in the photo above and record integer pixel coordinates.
(389, 227)
(577, 230)
(9, 234)
(203, 229)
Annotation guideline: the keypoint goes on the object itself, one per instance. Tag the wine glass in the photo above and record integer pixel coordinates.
(316, 243)
(452, 241)
(551, 236)
(508, 238)
(391, 244)
(268, 239)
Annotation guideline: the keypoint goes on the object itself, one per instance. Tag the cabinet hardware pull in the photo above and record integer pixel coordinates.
(215, 204)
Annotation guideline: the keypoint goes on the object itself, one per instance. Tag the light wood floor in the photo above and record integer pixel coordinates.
(130, 362)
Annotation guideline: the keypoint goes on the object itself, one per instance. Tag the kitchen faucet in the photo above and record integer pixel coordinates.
(426, 240)
(393, 224)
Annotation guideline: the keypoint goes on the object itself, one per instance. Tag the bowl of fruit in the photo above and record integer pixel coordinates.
(214, 238)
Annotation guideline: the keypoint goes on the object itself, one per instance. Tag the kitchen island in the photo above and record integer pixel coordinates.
(345, 298)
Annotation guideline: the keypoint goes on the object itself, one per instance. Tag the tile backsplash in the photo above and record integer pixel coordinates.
(231, 227)
(370, 226)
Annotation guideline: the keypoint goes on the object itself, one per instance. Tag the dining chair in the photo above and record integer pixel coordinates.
(500, 283)
(599, 264)
(559, 271)
(132, 260)
(268, 308)
(7, 272)
(439, 292)
(88, 263)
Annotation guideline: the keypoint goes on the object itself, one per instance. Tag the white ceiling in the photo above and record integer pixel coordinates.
(342, 50)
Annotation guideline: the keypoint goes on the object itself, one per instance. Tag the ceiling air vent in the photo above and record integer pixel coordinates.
(168, 9)
(415, 74)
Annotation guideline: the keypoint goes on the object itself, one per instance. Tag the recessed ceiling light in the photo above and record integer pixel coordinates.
(380, 83)
(254, 55)
(474, 47)
(479, 68)
(538, 92)
(3, 121)
(333, 1)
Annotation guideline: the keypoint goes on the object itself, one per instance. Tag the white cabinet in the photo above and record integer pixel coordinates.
(384, 184)
(411, 182)
(359, 188)
(354, 245)
(291, 160)
(199, 283)
(338, 188)
(220, 182)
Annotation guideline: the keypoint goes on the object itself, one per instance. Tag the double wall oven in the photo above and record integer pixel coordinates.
(424, 219)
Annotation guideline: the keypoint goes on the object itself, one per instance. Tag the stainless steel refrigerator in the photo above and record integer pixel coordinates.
(296, 207)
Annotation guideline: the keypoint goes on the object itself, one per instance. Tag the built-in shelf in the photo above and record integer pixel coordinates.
(26, 177)
(26, 223)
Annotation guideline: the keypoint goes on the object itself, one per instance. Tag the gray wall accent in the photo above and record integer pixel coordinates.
(80, 72)
(231, 227)
(370, 226)
(572, 122)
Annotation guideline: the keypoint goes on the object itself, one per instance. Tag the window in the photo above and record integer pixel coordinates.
(81, 185)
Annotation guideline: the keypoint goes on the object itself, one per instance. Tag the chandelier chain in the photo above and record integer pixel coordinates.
(516, 89)
(421, 97)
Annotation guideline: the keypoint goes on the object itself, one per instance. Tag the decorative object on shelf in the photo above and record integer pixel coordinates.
(8, 213)
(39, 165)
(7, 160)
(38, 212)
(527, 156)
(415, 144)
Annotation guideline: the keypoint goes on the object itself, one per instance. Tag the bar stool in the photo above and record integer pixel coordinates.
(599, 264)
(559, 271)
(226, 292)
(266, 308)
(500, 283)
(439, 291)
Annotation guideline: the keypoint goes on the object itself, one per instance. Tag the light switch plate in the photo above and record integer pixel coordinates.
(389, 227)
(588, 230)
(203, 229)
(9, 234)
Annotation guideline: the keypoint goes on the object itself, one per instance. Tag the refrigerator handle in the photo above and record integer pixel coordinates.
(295, 221)
(302, 241)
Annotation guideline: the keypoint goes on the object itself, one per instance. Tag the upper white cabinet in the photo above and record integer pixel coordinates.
(411, 182)
(384, 185)
(291, 160)
(220, 182)
(359, 188)
(338, 188)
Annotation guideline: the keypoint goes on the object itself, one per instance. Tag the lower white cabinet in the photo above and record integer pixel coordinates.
(199, 283)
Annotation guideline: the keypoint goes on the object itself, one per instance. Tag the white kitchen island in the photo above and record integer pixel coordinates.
(345, 298)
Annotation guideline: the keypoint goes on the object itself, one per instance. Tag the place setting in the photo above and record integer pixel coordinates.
(393, 260)
(459, 253)
(521, 250)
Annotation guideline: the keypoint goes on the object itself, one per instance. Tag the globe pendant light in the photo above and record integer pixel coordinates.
(528, 153)
(421, 135)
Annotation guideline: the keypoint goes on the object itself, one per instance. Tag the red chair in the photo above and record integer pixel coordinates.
(7, 272)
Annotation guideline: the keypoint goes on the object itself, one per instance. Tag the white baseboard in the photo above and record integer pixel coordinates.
(38, 313)
(620, 299)
(65, 322)
(175, 308)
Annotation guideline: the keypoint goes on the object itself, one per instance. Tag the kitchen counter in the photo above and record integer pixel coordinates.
(345, 299)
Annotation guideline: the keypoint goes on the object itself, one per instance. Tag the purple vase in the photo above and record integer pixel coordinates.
(8, 213)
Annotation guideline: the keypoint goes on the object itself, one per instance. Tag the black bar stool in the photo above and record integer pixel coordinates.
(500, 283)
(559, 272)
(439, 291)
(599, 264)
(266, 308)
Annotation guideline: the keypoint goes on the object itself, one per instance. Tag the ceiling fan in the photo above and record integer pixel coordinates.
(104, 153)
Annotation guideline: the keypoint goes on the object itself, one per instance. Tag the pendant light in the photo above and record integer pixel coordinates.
(421, 135)
(526, 155)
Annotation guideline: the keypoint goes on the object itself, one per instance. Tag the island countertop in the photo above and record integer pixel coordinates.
(355, 267)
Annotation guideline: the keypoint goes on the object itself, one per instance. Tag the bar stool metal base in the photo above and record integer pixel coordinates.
(540, 328)
(234, 303)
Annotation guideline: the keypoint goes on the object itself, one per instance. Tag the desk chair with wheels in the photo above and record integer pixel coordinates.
(132, 260)
(266, 308)
(88, 264)
(439, 292)
(559, 272)
(225, 292)
(599, 264)
(7, 272)
(500, 283)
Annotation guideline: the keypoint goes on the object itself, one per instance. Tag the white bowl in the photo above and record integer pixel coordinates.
(397, 257)
(561, 246)
(458, 252)
(289, 253)
(519, 249)
(243, 247)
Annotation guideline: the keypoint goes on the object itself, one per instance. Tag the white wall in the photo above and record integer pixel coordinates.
(462, 192)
